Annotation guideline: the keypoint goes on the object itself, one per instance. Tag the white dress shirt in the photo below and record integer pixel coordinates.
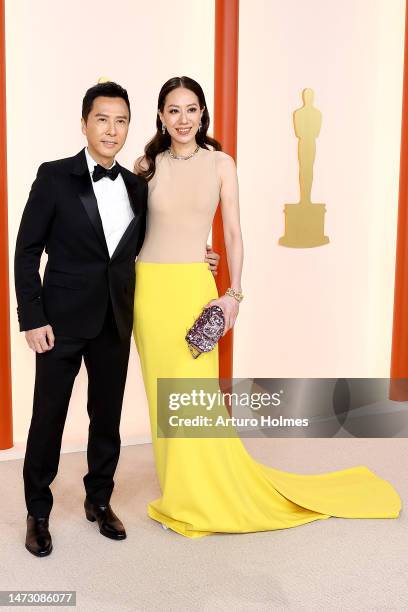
(113, 204)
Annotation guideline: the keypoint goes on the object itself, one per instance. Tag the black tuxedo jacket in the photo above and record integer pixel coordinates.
(62, 217)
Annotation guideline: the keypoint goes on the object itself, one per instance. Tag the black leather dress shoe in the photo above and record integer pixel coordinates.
(38, 539)
(109, 524)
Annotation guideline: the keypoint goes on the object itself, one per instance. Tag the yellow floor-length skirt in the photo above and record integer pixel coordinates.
(213, 485)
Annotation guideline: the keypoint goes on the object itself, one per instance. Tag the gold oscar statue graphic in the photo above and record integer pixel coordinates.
(304, 221)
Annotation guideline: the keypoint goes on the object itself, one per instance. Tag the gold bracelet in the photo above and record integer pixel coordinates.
(235, 294)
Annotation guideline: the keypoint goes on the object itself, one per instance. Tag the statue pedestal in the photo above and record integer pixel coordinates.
(304, 226)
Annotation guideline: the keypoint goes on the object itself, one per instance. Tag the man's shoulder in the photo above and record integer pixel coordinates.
(131, 176)
(134, 178)
(62, 166)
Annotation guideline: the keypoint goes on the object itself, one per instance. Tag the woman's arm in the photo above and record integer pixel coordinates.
(232, 235)
(230, 218)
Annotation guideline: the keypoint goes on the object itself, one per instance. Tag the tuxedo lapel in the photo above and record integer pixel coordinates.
(125, 237)
(87, 197)
(132, 189)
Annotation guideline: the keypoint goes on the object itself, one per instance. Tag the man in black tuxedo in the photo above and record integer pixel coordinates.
(89, 214)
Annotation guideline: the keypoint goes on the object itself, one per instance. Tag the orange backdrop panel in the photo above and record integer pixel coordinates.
(399, 355)
(6, 426)
(225, 130)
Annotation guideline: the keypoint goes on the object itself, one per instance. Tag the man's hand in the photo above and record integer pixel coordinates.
(40, 339)
(212, 259)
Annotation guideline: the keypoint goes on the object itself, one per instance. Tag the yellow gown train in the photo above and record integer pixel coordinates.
(212, 485)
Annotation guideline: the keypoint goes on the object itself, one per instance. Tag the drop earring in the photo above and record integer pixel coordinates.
(200, 126)
(163, 128)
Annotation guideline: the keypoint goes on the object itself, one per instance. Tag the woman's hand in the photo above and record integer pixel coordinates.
(213, 259)
(230, 308)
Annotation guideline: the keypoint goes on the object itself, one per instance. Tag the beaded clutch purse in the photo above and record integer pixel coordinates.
(206, 331)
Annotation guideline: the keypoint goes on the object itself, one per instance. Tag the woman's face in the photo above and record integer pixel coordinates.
(181, 115)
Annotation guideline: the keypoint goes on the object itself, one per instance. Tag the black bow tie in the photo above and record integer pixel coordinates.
(99, 172)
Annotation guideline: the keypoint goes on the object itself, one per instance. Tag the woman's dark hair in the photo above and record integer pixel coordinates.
(160, 142)
(108, 90)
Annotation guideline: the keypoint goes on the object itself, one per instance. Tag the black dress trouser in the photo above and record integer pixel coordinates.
(106, 359)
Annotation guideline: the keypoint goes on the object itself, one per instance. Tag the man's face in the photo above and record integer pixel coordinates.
(106, 128)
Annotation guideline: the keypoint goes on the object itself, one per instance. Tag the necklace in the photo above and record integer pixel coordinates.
(180, 156)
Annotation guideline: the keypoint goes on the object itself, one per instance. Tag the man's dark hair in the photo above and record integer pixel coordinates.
(108, 90)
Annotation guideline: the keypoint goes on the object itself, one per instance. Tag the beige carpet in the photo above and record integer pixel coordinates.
(338, 564)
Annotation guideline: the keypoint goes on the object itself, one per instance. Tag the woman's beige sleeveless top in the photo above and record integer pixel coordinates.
(183, 198)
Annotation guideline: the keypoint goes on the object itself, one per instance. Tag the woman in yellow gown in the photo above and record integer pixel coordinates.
(212, 484)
